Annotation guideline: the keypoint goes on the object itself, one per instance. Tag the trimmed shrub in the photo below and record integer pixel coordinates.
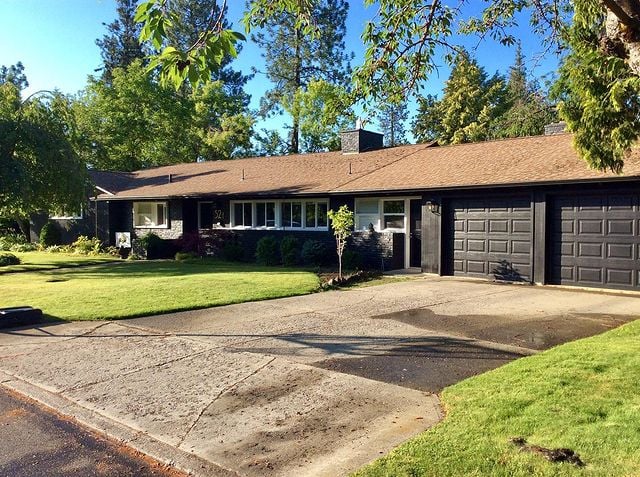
(153, 247)
(183, 256)
(7, 259)
(50, 235)
(87, 246)
(289, 251)
(267, 251)
(233, 252)
(315, 253)
(351, 260)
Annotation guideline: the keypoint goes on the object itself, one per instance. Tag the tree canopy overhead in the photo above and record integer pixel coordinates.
(408, 37)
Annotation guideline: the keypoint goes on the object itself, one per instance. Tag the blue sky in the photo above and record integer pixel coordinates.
(55, 40)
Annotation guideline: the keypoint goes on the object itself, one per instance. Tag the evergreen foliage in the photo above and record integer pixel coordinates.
(392, 116)
(120, 46)
(294, 60)
(50, 235)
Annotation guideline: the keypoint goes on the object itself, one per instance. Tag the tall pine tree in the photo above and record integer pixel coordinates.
(120, 46)
(294, 60)
(528, 109)
(391, 119)
(191, 18)
(470, 103)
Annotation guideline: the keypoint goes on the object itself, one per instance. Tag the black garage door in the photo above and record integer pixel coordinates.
(490, 238)
(595, 241)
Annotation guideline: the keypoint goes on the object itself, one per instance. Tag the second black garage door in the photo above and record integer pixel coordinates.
(595, 241)
(490, 238)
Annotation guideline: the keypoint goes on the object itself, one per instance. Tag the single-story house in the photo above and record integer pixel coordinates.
(526, 209)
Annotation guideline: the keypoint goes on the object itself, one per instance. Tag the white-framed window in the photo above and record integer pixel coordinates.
(67, 214)
(367, 214)
(280, 214)
(291, 215)
(150, 215)
(265, 214)
(315, 215)
(393, 214)
(382, 214)
(242, 214)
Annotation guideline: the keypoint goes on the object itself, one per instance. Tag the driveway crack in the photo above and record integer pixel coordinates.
(137, 370)
(219, 395)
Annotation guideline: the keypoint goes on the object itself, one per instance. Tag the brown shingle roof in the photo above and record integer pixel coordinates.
(511, 161)
(536, 159)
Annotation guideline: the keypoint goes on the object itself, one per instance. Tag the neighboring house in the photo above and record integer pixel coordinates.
(92, 218)
(525, 209)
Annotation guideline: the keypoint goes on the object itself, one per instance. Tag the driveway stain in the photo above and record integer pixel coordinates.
(426, 365)
(532, 332)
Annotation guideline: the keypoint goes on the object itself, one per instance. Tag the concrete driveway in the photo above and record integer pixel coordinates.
(313, 385)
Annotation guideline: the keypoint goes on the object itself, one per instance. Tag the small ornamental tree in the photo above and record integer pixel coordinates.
(342, 225)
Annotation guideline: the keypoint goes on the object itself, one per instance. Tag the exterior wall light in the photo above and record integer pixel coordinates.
(433, 207)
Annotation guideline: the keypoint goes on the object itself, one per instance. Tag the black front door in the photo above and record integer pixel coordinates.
(415, 230)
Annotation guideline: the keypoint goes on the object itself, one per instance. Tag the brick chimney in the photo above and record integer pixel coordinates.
(359, 140)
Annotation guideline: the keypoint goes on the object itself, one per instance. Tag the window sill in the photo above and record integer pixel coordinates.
(150, 227)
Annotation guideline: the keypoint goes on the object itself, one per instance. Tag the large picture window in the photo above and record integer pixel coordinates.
(243, 214)
(148, 215)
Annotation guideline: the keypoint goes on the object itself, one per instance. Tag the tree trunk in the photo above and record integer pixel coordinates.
(25, 228)
(622, 27)
(294, 147)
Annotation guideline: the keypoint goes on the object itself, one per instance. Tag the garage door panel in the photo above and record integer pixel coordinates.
(497, 238)
(595, 240)
(521, 226)
(620, 251)
(620, 227)
(620, 277)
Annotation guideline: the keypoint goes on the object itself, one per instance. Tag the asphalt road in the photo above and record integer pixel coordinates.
(36, 442)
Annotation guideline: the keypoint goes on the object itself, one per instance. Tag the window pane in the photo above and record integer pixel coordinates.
(394, 206)
(363, 221)
(206, 215)
(296, 214)
(310, 214)
(237, 215)
(393, 221)
(367, 206)
(144, 208)
(260, 215)
(248, 219)
(286, 214)
(160, 217)
(322, 214)
(271, 214)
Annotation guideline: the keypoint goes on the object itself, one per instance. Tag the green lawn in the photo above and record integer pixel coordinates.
(128, 289)
(583, 395)
(49, 261)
